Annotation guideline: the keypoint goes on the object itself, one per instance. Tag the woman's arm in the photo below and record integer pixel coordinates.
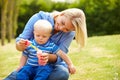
(27, 33)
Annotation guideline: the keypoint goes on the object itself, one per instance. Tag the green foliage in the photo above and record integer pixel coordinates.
(56, 6)
(27, 9)
(102, 16)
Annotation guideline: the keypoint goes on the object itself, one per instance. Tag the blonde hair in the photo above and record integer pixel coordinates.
(43, 25)
(78, 20)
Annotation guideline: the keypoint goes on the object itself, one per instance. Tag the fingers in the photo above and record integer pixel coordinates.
(22, 43)
(45, 55)
(43, 59)
(72, 70)
(18, 68)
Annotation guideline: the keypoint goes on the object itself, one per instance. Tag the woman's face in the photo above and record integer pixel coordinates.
(62, 23)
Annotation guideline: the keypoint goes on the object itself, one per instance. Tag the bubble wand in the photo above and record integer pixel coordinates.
(28, 43)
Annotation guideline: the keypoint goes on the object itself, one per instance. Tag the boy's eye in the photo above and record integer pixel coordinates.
(44, 36)
(37, 35)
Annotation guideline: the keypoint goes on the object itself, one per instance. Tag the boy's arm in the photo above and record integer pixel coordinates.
(64, 57)
(23, 60)
(64, 42)
(68, 61)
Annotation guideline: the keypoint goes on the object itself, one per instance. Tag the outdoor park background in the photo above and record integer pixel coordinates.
(99, 60)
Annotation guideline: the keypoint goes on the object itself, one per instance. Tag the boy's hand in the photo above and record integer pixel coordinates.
(42, 57)
(72, 69)
(19, 68)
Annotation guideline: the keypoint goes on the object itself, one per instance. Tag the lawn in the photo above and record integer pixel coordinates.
(99, 60)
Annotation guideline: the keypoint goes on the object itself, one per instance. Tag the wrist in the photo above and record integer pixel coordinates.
(19, 68)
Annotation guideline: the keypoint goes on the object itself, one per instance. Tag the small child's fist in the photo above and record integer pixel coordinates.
(39, 55)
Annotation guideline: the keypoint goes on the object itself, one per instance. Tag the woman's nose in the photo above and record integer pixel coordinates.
(62, 29)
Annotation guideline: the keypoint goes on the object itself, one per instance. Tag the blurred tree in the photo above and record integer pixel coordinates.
(3, 20)
(9, 13)
(16, 6)
(9, 20)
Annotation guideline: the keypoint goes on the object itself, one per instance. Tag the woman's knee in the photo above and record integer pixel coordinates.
(59, 73)
(63, 75)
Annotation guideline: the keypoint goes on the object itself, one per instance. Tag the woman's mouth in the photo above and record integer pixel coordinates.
(56, 27)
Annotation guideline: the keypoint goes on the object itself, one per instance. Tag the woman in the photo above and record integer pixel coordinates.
(66, 25)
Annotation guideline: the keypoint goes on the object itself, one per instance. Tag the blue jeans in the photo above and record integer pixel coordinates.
(34, 72)
(59, 73)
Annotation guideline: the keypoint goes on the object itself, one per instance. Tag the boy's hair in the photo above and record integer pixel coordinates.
(78, 20)
(43, 25)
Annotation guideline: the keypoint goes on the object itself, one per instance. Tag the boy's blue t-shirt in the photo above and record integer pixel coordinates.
(61, 39)
(49, 47)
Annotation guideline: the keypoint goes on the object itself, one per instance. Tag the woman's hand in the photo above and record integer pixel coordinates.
(21, 45)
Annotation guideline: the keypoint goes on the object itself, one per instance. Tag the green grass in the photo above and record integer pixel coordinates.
(99, 60)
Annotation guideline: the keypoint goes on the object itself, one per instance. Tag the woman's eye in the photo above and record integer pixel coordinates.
(63, 23)
(67, 30)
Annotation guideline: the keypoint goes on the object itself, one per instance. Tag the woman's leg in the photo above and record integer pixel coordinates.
(14, 74)
(24, 73)
(42, 73)
(59, 73)
(11, 76)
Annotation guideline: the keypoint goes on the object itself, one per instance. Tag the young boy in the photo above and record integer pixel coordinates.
(31, 65)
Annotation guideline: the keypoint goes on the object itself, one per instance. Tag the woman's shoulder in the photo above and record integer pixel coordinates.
(71, 33)
(46, 16)
(43, 12)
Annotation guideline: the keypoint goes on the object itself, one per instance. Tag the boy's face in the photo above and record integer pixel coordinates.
(41, 36)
